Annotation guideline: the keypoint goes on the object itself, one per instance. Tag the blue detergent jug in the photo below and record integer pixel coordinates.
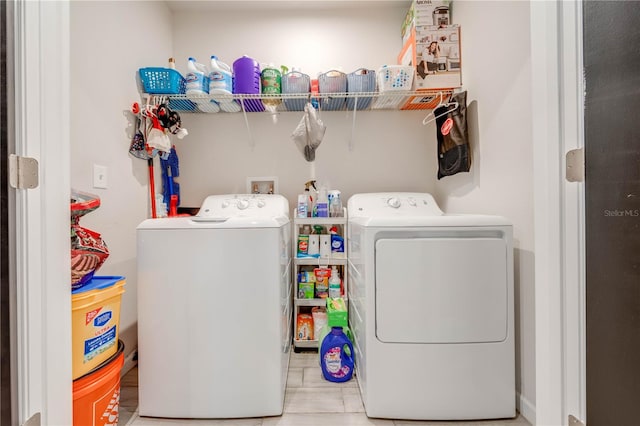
(336, 362)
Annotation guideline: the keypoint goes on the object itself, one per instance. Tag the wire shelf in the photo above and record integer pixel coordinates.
(362, 101)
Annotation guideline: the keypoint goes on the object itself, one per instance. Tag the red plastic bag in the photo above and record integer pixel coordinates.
(88, 249)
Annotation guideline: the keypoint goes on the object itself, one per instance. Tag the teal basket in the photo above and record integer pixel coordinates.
(163, 81)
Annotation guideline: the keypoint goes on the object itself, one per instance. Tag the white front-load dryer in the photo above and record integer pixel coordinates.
(431, 309)
(214, 309)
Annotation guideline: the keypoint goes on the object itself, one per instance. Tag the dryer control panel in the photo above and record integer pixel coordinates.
(393, 204)
(244, 205)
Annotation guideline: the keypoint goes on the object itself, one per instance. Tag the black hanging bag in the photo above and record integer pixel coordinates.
(454, 152)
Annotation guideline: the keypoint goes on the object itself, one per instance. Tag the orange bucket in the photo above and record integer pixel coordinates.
(96, 395)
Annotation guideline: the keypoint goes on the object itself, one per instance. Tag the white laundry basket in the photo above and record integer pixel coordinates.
(394, 83)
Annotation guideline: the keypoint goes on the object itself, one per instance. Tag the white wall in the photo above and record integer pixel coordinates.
(390, 151)
(109, 42)
(497, 76)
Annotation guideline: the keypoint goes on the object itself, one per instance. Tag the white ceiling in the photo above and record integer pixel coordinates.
(204, 5)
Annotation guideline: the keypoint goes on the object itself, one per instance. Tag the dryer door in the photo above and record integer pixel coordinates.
(441, 290)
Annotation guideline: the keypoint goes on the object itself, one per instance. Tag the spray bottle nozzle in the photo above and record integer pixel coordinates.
(311, 183)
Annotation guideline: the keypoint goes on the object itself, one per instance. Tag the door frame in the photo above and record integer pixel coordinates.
(559, 217)
(42, 274)
(40, 59)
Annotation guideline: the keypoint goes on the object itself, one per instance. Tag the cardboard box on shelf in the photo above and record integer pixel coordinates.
(428, 99)
(337, 315)
(435, 54)
(425, 12)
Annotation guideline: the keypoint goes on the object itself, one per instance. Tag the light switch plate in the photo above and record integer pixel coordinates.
(99, 176)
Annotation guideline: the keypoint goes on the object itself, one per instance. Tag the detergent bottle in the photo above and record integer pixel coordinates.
(336, 356)
(220, 78)
(246, 71)
(221, 85)
(271, 81)
(195, 81)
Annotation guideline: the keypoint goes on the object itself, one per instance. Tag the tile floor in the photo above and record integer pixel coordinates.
(307, 403)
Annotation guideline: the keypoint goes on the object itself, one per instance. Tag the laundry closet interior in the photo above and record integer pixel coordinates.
(361, 152)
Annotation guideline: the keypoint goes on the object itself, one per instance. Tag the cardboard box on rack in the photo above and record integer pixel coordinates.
(425, 12)
(435, 54)
(337, 315)
(428, 99)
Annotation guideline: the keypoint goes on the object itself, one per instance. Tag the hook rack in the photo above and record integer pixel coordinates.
(386, 100)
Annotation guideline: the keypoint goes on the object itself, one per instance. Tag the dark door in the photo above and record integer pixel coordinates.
(612, 158)
(5, 320)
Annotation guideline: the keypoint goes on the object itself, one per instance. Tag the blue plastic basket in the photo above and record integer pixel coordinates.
(181, 105)
(332, 82)
(162, 81)
(361, 80)
(296, 83)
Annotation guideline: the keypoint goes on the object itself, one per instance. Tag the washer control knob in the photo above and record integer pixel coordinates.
(225, 204)
(261, 204)
(412, 202)
(393, 202)
(242, 204)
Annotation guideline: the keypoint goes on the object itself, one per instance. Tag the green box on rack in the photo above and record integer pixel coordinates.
(337, 315)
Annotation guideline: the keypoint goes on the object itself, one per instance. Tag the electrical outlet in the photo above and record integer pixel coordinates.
(99, 176)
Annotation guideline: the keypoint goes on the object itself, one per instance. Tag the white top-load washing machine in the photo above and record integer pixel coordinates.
(214, 309)
(431, 309)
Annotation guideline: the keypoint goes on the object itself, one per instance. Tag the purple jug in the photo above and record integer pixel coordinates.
(336, 356)
(246, 72)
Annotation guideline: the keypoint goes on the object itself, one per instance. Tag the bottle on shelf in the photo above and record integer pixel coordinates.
(335, 361)
(303, 203)
(335, 284)
(195, 81)
(335, 203)
(315, 91)
(221, 85)
(220, 77)
(303, 242)
(323, 203)
(271, 81)
(172, 63)
(337, 243)
(311, 207)
(246, 71)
